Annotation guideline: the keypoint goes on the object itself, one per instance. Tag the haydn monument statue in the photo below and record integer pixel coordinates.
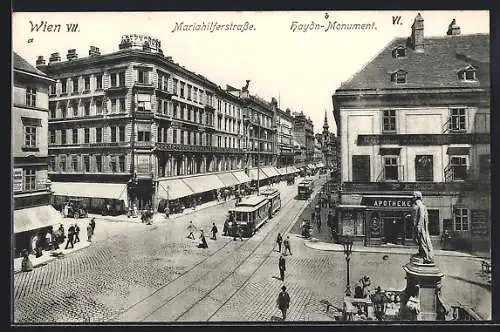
(421, 229)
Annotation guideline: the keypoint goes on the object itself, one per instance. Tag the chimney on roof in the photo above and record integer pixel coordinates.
(453, 28)
(417, 34)
(40, 61)
(274, 102)
(55, 57)
(93, 51)
(71, 54)
(287, 111)
(169, 58)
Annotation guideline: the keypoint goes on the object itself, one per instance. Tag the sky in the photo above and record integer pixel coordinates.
(302, 69)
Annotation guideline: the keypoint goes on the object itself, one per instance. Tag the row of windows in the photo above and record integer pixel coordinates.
(83, 84)
(401, 76)
(456, 122)
(87, 163)
(424, 168)
(117, 134)
(117, 105)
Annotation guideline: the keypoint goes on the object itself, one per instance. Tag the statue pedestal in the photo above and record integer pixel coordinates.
(423, 280)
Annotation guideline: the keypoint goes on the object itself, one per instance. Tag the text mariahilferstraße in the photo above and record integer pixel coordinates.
(213, 26)
(331, 26)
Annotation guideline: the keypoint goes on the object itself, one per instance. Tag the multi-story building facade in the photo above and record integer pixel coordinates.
(286, 149)
(304, 132)
(134, 121)
(417, 118)
(31, 188)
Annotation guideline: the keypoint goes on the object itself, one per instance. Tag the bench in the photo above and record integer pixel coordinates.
(485, 267)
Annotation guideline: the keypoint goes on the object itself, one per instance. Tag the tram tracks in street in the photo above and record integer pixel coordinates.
(169, 309)
(154, 301)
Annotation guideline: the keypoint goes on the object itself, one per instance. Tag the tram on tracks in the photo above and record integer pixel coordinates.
(305, 188)
(274, 197)
(251, 213)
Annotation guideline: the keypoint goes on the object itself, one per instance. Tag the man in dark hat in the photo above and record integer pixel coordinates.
(283, 301)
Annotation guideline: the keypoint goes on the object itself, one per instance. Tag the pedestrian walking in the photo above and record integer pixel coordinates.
(191, 229)
(286, 243)
(71, 234)
(226, 227)
(90, 232)
(203, 243)
(279, 241)
(282, 267)
(167, 212)
(77, 233)
(61, 233)
(283, 301)
(214, 231)
(92, 224)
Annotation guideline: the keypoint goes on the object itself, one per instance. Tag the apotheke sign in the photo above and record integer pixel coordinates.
(396, 202)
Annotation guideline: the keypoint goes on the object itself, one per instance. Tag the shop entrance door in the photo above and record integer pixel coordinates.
(391, 231)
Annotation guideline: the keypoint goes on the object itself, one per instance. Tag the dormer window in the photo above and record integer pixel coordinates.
(399, 52)
(468, 74)
(399, 77)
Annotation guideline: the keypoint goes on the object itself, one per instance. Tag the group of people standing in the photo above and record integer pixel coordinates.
(52, 239)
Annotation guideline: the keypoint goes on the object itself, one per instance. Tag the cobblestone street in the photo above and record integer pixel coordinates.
(134, 272)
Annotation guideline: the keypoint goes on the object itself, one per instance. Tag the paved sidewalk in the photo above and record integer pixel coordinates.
(49, 256)
(159, 216)
(390, 249)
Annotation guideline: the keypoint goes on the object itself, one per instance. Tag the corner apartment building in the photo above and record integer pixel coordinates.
(417, 117)
(286, 149)
(304, 134)
(259, 128)
(135, 127)
(29, 127)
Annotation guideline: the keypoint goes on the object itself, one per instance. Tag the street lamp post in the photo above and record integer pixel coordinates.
(347, 243)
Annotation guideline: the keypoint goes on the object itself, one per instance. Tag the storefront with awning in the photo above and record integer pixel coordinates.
(228, 179)
(320, 164)
(35, 218)
(270, 171)
(203, 183)
(29, 221)
(253, 174)
(170, 192)
(173, 189)
(282, 171)
(241, 176)
(94, 196)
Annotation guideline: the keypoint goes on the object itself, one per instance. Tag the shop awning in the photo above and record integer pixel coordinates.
(228, 179)
(320, 165)
(35, 217)
(241, 176)
(282, 171)
(173, 189)
(292, 169)
(253, 174)
(203, 183)
(270, 171)
(92, 190)
(310, 166)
